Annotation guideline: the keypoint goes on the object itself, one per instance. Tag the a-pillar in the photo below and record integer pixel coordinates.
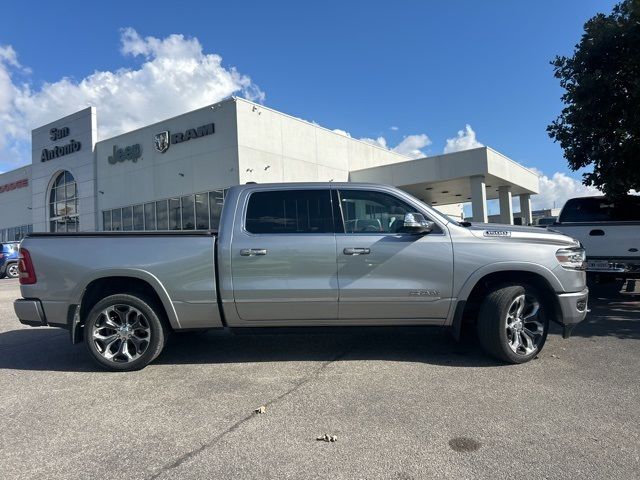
(478, 198)
(506, 209)
(525, 208)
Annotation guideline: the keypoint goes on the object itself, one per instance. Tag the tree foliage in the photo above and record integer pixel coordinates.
(599, 126)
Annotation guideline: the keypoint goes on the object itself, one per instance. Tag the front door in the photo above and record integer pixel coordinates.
(384, 273)
(284, 257)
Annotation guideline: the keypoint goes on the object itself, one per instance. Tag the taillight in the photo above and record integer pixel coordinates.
(25, 267)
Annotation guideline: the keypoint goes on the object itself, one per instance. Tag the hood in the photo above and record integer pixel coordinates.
(499, 232)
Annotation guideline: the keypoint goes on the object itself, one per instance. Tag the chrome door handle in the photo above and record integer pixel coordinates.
(356, 251)
(253, 252)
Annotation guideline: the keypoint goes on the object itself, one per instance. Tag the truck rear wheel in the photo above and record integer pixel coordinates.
(124, 332)
(512, 325)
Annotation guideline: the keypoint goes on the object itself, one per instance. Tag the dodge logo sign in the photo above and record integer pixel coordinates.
(161, 141)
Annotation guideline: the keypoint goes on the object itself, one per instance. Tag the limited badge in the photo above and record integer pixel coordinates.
(497, 233)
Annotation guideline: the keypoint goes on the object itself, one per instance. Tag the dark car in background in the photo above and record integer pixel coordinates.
(9, 259)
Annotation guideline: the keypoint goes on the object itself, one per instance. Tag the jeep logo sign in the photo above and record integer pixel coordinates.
(132, 152)
(162, 145)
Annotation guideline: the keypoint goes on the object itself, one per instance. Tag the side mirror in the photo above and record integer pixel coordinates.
(416, 223)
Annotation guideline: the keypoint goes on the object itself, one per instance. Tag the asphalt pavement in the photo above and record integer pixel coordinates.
(402, 404)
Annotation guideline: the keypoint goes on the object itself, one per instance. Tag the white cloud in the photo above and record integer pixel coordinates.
(175, 75)
(339, 131)
(465, 140)
(411, 145)
(378, 142)
(394, 128)
(557, 189)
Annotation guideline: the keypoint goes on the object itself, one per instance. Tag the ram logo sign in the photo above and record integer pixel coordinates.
(163, 140)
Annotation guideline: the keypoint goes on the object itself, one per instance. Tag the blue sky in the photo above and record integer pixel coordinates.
(427, 68)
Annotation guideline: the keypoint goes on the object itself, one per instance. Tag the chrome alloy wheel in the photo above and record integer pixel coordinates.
(525, 328)
(121, 333)
(13, 270)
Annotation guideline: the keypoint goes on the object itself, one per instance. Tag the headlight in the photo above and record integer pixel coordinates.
(572, 258)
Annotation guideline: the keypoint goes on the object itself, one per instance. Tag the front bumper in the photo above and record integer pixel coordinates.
(573, 307)
(30, 312)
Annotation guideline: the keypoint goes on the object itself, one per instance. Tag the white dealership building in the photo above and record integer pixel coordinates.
(172, 174)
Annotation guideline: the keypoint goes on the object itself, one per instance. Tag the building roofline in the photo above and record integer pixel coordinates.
(224, 100)
(432, 157)
(234, 98)
(316, 125)
(513, 161)
(28, 165)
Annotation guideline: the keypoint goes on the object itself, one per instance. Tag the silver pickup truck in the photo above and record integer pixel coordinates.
(301, 255)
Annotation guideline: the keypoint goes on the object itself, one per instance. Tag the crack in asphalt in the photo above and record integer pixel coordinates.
(193, 453)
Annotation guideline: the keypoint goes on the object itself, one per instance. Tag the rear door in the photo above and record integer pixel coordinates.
(284, 256)
(385, 274)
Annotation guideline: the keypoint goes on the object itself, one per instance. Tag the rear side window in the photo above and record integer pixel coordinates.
(290, 211)
(626, 209)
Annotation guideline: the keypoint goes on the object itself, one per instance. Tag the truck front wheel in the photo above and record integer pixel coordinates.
(124, 332)
(512, 325)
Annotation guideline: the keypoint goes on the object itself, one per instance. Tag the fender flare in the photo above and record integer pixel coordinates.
(455, 316)
(485, 270)
(139, 274)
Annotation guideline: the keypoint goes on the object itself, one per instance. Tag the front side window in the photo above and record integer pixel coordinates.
(366, 211)
(290, 211)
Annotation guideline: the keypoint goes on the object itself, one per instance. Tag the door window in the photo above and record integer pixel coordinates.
(366, 211)
(290, 211)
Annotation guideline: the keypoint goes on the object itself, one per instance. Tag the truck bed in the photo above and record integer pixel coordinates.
(180, 266)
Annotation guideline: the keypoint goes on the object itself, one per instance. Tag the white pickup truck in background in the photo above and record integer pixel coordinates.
(609, 231)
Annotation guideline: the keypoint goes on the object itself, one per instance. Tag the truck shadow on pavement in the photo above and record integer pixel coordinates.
(50, 350)
(45, 349)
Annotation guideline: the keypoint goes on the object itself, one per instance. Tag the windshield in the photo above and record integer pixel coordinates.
(600, 209)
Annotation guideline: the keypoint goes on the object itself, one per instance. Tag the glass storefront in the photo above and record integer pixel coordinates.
(200, 211)
(15, 234)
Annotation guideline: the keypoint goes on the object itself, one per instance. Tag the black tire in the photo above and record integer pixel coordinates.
(497, 338)
(143, 348)
(12, 270)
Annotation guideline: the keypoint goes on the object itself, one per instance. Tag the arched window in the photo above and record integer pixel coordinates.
(63, 204)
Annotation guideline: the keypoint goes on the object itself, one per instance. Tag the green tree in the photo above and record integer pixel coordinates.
(599, 126)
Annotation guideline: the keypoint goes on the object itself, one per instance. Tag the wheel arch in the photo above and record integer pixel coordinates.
(474, 291)
(107, 283)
